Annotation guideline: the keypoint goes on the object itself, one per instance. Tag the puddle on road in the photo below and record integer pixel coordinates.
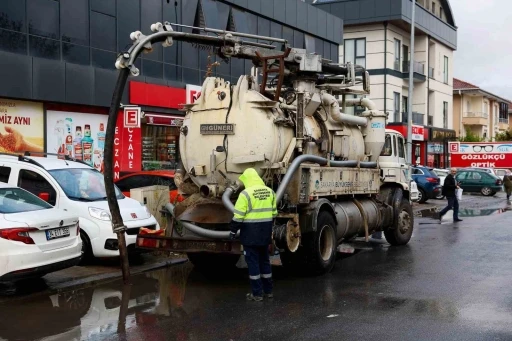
(464, 212)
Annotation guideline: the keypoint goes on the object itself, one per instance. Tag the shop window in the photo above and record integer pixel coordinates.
(4, 174)
(44, 48)
(13, 42)
(43, 18)
(160, 147)
(36, 184)
(12, 15)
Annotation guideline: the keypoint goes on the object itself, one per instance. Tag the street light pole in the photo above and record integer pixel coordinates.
(411, 84)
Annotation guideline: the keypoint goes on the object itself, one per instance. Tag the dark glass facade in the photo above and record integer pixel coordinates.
(81, 39)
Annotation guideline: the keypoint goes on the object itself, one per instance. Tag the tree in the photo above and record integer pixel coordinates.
(504, 136)
(471, 137)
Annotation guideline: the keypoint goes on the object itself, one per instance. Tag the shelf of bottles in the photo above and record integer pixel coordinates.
(160, 149)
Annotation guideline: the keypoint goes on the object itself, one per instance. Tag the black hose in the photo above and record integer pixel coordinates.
(108, 174)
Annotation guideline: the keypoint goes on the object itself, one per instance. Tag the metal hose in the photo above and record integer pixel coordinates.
(202, 232)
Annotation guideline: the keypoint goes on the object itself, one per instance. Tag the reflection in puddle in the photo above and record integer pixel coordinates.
(463, 212)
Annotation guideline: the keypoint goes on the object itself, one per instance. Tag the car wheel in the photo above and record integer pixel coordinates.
(422, 196)
(486, 191)
(87, 254)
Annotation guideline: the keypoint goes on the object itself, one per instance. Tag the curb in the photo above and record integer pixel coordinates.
(90, 281)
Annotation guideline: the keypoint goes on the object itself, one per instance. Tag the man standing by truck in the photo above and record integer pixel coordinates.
(254, 213)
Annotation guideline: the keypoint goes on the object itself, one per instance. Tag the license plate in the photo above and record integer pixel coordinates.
(57, 233)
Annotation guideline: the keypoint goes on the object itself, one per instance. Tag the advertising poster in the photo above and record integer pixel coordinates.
(481, 154)
(21, 126)
(79, 135)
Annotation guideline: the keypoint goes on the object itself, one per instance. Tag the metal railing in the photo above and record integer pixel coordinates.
(430, 72)
(396, 65)
(416, 67)
(504, 120)
(417, 118)
(475, 114)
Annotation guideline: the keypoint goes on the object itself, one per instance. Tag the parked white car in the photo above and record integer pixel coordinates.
(76, 187)
(35, 237)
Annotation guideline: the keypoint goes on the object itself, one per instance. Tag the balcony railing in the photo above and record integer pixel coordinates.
(504, 120)
(416, 67)
(430, 72)
(417, 118)
(396, 65)
(476, 114)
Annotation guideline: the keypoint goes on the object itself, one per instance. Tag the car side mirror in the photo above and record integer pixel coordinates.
(44, 196)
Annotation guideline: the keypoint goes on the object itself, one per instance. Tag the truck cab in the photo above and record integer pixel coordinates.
(392, 159)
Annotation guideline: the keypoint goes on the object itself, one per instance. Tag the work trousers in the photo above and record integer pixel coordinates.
(453, 203)
(260, 271)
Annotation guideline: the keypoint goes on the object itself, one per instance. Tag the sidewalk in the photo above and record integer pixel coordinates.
(79, 277)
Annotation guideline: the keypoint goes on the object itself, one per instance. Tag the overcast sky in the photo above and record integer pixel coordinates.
(484, 46)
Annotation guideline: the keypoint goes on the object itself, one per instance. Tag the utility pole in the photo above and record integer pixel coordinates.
(411, 84)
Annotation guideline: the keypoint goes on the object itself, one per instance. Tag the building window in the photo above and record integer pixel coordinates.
(445, 114)
(396, 106)
(445, 70)
(355, 51)
(433, 7)
(397, 55)
(405, 104)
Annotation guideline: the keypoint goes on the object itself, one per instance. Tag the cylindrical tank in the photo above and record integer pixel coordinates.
(350, 220)
(255, 140)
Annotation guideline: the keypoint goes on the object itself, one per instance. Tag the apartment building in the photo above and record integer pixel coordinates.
(478, 112)
(377, 36)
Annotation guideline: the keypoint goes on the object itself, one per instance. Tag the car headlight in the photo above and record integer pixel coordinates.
(98, 213)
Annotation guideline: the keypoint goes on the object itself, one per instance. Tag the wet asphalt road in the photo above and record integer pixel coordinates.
(452, 282)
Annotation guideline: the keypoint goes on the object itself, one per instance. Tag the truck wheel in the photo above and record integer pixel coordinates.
(402, 232)
(204, 261)
(317, 254)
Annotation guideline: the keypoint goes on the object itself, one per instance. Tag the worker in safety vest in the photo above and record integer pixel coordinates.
(254, 212)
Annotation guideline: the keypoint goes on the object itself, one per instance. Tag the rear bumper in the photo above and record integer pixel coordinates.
(162, 243)
(39, 271)
(435, 192)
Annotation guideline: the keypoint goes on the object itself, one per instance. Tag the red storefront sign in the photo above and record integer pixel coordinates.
(164, 120)
(127, 147)
(419, 133)
(481, 154)
(156, 95)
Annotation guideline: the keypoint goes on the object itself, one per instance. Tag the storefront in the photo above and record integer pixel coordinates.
(420, 136)
(161, 122)
(79, 131)
(437, 149)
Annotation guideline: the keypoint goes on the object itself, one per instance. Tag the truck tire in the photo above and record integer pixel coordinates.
(317, 255)
(401, 233)
(205, 261)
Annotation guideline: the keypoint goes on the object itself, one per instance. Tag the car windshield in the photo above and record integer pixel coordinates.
(83, 184)
(16, 200)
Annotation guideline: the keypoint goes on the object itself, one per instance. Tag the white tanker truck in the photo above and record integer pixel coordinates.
(336, 176)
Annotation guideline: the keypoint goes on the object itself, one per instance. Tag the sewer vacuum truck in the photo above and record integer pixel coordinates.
(336, 176)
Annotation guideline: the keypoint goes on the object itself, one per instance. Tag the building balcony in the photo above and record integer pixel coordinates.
(417, 68)
(503, 124)
(417, 118)
(431, 72)
(475, 118)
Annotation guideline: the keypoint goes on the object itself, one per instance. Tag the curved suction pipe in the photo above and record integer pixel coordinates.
(364, 102)
(333, 108)
(199, 230)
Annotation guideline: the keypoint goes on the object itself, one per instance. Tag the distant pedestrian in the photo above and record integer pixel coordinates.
(507, 182)
(449, 191)
(254, 213)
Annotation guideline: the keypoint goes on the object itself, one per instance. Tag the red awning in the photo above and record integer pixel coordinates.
(163, 120)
